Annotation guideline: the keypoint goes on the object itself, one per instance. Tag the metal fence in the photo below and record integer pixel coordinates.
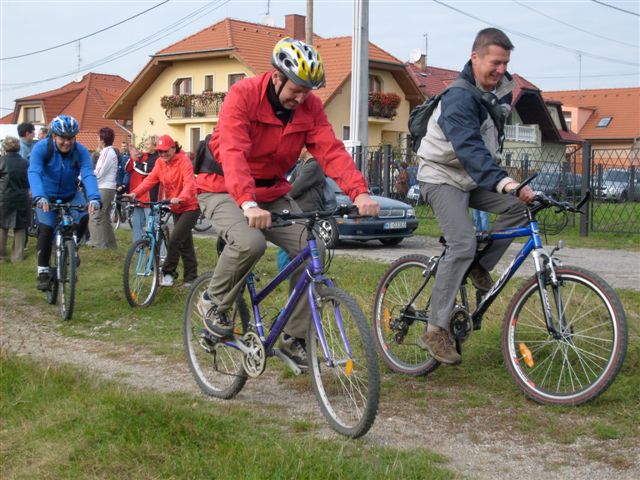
(611, 175)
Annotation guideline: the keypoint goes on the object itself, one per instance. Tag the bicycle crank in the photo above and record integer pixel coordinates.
(254, 360)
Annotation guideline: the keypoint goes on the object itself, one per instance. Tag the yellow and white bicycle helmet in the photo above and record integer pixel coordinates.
(300, 63)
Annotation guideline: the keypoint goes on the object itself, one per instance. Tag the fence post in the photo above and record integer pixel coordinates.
(386, 170)
(358, 154)
(586, 181)
(632, 183)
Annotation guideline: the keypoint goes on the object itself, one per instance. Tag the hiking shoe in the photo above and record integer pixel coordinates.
(44, 279)
(480, 278)
(440, 346)
(166, 280)
(215, 322)
(295, 349)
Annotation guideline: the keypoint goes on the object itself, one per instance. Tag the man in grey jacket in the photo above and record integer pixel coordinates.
(459, 168)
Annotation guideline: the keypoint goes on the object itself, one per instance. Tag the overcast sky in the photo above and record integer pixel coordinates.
(560, 45)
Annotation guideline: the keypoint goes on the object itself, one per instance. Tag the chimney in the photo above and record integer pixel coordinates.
(294, 26)
(421, 63)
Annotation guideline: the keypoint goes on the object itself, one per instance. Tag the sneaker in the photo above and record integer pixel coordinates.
(480, 278)
(215, 322)
(440, 346)
(166, 280)
(295, 349)
(43, 281)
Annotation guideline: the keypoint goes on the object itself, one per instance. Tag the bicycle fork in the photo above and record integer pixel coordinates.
(546, 276)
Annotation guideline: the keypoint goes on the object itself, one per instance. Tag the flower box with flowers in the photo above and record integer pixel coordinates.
(383, 105)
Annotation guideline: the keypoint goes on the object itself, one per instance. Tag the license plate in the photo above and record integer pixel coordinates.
(394, 225)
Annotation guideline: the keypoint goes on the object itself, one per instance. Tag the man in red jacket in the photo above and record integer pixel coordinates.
(264, 123)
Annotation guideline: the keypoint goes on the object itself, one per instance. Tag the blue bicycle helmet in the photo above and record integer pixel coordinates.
(65, 126)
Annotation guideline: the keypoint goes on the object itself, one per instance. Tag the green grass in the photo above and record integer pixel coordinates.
(480, 388)
(625, 214)
(58, 423)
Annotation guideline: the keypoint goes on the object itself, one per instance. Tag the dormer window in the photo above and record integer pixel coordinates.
(604, 122)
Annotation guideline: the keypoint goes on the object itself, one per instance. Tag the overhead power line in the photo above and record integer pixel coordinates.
(86, 36)
(616, 8)
(535, 39)
(160, 34)
(573, 26)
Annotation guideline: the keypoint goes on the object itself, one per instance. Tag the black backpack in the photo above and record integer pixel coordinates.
(204, 161)
(420, 115)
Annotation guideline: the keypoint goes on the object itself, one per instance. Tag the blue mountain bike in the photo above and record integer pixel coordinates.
(342, 360)
(564, 334)
(144, 259)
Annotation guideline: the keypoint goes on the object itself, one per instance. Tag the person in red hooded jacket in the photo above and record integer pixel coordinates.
(174, 171)
(264, 123)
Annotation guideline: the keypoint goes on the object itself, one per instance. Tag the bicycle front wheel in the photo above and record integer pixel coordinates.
(68, 278)
(400, 314)
(582, 362)
(345, 380)
(216, 365)
(141, 274)
(114, 215)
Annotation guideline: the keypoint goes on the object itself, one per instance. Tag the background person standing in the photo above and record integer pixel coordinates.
(100, 228)
(15, 211)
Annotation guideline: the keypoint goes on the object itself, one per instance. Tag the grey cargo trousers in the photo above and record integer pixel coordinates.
(451, 207)
(245, 246)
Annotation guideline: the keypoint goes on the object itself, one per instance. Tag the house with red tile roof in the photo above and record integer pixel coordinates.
(86, 100)
(166, 97)
(606, 118)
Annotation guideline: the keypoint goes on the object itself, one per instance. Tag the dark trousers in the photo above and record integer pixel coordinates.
(181, 246)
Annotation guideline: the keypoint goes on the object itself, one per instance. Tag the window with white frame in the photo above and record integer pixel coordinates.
(32, 114)
(209, 83)
(235, 78)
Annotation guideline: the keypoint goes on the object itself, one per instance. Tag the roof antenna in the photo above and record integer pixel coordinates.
(268, 19)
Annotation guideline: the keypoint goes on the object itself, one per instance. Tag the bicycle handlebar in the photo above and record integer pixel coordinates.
(545, 201)
(284, 218)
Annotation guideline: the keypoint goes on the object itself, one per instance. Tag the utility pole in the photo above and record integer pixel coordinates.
(309, 23)
(359, 117)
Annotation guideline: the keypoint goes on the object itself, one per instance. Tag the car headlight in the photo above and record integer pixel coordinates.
(411, 212)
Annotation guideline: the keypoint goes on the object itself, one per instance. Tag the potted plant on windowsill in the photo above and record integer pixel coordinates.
(182, 101)
(383, 105)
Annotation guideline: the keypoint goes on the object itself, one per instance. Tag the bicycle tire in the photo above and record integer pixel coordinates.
(565, 371)
(395, 333)
(68, 278)
(347, 386)
(202, 224)
(216, 366)
(52, 293)
(140, 284)
(115, 215)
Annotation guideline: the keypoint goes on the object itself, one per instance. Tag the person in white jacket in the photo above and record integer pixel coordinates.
(100, 228)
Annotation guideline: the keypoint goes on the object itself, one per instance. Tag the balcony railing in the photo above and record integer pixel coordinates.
(521, 133)
(194, 110)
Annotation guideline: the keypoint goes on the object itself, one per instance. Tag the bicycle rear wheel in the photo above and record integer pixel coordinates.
(68, 278)
(141, 274)
(400, 314)
(347, 382)
(216, 366)
(582, 363)
(202, 225)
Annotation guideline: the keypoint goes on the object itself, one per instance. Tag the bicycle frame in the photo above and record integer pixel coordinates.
(312, 274)
(151, 232)
(64, 231)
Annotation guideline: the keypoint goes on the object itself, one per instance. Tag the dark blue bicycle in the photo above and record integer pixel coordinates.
(564, 334)
(63, 274)
(340, 351)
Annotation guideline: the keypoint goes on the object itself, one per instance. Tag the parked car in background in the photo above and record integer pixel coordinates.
(558, 185)
(396, 221)
(615, 185)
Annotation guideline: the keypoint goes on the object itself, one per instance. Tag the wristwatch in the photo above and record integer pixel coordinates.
(249, 204)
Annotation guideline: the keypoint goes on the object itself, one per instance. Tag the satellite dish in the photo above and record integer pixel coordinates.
(414, 55)
(268, 20)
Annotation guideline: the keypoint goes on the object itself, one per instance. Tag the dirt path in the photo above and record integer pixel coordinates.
(481, 446)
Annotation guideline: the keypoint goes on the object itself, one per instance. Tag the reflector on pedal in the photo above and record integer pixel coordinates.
(527, 356)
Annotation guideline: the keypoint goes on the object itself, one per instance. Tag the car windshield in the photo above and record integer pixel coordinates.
(615, 176)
